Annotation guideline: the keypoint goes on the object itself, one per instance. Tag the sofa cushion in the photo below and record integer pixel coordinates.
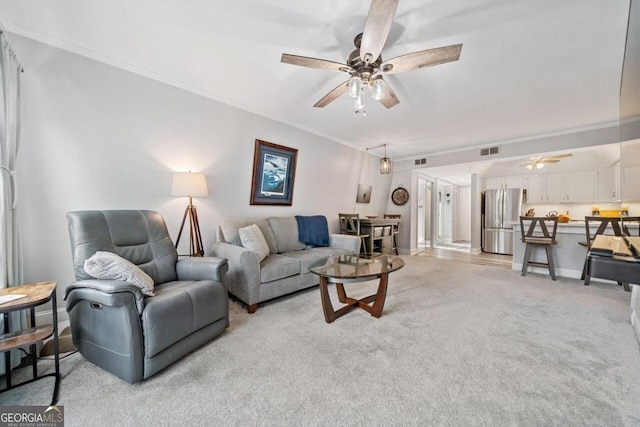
(110, 266)
(285, 230)
(276, 267)
(230, 227)
(179, 309)
(253, 239)
(313, 230)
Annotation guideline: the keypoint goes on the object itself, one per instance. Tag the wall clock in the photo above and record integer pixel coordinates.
(400, 196)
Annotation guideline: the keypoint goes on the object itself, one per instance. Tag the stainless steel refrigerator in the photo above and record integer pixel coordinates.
(502, 208)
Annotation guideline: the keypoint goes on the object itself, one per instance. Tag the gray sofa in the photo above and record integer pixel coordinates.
(113, 324)
(284, 270)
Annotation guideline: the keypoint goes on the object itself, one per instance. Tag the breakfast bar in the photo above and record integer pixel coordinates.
(568, 255)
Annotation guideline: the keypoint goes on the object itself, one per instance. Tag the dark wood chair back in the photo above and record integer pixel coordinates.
(535, 229)
(614, 226)
(627, 220)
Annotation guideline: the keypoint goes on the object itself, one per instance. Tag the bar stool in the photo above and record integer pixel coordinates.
(350, 224)
(618, 225)
(535, 233)
(395, 231)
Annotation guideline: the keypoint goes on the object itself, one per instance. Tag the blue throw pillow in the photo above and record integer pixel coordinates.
(313, 230)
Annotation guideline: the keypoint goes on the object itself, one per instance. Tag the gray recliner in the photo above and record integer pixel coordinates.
(118, 328)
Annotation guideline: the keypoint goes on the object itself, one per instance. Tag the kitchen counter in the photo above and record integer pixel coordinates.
(568, 254)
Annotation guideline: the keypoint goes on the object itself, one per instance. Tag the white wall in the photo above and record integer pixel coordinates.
(464, 214)
(98, 137)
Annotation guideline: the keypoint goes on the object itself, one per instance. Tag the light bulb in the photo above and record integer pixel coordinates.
(378, 89)
(355, 87)
(359, 103)
(529, 166)
(539, 165)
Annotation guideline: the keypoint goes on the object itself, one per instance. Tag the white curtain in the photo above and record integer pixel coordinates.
(11, 271)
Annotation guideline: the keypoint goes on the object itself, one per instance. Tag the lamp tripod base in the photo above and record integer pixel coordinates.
(195, 238)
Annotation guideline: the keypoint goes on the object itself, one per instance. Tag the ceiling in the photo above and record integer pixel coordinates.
(527, 68)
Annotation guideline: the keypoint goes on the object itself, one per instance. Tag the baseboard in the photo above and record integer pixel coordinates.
(560, 272)
(45, 317)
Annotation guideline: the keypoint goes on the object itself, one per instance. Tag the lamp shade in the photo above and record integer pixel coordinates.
(189, 184)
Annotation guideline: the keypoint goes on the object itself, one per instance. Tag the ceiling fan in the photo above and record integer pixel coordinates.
(365, 64)
(538, 162)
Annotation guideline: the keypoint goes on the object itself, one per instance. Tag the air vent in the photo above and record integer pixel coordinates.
(490, 151)
(418, 162)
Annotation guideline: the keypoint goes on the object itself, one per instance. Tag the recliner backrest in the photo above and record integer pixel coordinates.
(139, 236)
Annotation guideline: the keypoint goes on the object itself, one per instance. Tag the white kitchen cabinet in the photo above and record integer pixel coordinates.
(554, 187)
(571, 187)
(493, 183)
(513, 181)
(631, 183)
(581, 186)
(614, 185)
(535, 193)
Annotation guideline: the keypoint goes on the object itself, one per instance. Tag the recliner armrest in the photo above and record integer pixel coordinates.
(107, 292)
(206, 268)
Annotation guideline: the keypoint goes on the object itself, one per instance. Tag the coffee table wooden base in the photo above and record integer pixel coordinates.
(374, 309)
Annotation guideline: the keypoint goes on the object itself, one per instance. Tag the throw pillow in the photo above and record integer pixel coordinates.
(313, 230)
(110, 266)
(253, 239)
(285, 230)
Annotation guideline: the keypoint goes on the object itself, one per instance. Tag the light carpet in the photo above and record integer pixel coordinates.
(457, 344)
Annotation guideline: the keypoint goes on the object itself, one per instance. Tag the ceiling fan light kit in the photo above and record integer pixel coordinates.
(365, 65)
(539, 162)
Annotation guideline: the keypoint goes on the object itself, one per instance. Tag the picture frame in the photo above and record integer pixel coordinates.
(364, 194)
(274, 169)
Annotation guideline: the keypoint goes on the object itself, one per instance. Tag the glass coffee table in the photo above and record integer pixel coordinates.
(341, 269)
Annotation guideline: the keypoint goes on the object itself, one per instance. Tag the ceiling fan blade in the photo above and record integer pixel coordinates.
(333, 95)
(561, 156)
(321, 64)
(376, 28)
(549, 160)
(390, 99)
(423, 58)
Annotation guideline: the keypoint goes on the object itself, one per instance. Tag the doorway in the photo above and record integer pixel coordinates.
(425, 214)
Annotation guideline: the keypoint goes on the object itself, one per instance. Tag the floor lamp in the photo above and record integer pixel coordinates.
(191, 185)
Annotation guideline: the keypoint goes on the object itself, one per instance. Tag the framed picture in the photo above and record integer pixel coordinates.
(274, 169)
(364, 194)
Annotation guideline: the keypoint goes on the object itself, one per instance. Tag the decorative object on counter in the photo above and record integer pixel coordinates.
(624, 210)
(530, 212)
(595, 210)
(610, 213)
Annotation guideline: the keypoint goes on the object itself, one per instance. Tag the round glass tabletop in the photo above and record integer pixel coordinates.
(358, 267)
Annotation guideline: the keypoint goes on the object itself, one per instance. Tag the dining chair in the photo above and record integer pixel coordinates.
(395, 231)
(350, 224)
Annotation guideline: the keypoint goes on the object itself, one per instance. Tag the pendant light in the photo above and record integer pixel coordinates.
(385, 163)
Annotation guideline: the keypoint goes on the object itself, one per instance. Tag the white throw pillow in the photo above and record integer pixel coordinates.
(107, 265)
(253, 239)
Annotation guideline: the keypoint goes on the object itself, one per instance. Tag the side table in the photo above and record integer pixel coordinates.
(36, 294)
